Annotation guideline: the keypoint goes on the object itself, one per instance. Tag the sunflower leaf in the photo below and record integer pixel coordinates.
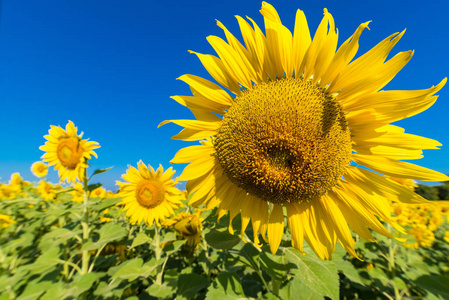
(189, 285)
(221, 239)
(99, 171)
(227, 286)
(317, 275)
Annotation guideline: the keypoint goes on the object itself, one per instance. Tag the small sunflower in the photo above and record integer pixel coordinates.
(188, 225)
(99, 192)
(422, 237)
(6, 221)
(39, 169)
(67, 152)
(46, 190)
(148, 195)
(305, 130)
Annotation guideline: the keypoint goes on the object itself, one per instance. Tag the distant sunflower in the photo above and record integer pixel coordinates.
(301, 124)
(188, 225)
(67, 152)
(148, 195)
(39, 169)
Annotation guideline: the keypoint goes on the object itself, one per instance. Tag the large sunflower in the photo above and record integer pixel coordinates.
(149, 196)
(305, 133)
(67, 152)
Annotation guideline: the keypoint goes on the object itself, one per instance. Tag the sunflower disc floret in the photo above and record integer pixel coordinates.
(284, 141)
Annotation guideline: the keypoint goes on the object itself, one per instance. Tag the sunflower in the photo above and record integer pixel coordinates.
(39, 169)
(422, 237)
(305, 133)
(6, 221)
(67, 152)
(46, 190)
(99, 192)
(189, 225)
(148, 195)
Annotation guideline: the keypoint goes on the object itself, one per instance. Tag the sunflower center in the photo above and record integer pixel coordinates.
(284, 141)
(149, 193)
(69, 152)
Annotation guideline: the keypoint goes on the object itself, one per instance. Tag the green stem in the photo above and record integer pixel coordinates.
(158, 252)
(85, 226)
(275, 284)
(392, 264)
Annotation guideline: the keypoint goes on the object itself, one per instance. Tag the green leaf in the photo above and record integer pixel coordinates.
(168, 237)
(270, 296)
(221, 239)
(349, 271)
(45, 262)
(249, 255)
(140, 239)
(106, 203)
(277, 267)
(129, 270)
(134, 268)
(296, 287)
(108, 233)
(57, 291)
(23, 241)
(99, 171)
(189, 285)
(317, 275)
(82, 283)
(172, 247)
(435, 284)
(226, 286)
(34, 290)
(161, 291)
(93, 186)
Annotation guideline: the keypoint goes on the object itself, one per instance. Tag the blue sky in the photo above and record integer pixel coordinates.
(111, 67)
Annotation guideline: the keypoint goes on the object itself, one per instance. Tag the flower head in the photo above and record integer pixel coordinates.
(98, 192)
(46, 190)
(188, 225)
(6, 221)
(302, 124)
(39, 169)
(148, 195)
(67, 152)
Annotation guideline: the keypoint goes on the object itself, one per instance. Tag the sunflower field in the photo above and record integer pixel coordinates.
(75, 242)
(297, 188)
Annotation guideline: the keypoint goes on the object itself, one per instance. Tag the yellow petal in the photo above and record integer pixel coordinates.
(301, 41)
(296, 227)
(198, 168)
(188, 154)
(218, 71)
(398, 169)
(188, 134)
(275, 227)
(232, 61)
(338, 222)
(344, 55)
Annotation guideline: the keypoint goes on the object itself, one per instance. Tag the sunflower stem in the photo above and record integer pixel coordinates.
(85, 226)
(275, 284)
(158, 251)
(392, 264)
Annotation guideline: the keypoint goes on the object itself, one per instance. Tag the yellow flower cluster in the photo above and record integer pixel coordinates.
(422, 220)
(14, 188)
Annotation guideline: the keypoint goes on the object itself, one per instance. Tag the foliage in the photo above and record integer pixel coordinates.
(440, 192)
(41, 257)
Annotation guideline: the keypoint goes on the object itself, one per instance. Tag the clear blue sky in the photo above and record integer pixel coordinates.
(111, 66)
